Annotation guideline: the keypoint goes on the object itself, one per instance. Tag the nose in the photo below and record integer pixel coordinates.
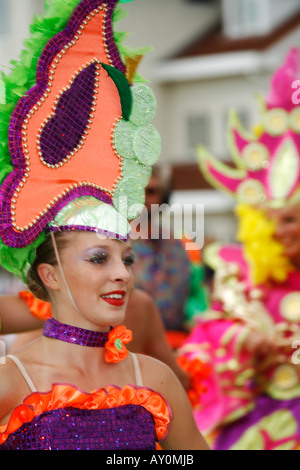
(121, 273)
(280, 230)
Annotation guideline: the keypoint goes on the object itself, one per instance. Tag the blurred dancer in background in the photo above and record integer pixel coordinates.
(172, 275)
(253, 324)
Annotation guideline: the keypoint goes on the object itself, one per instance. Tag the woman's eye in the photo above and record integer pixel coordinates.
(98, 258)
(290, 219)
(129, 260)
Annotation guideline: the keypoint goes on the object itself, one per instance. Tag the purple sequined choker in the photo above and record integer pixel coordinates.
(74, 335)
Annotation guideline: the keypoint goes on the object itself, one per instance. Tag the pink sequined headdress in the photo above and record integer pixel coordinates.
(267, 165)
(77, 145)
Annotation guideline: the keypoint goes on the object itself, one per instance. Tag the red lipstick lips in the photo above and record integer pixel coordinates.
(115, 298)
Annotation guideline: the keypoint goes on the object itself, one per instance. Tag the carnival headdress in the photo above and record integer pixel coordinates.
(268, 164)
(76, 140)
(267, 172)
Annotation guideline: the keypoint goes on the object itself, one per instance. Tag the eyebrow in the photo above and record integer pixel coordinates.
(107, 248)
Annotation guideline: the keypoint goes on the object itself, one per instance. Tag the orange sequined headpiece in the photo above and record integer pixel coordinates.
(81, 133)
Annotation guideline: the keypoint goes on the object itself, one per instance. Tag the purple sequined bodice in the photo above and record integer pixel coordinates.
(129, 427)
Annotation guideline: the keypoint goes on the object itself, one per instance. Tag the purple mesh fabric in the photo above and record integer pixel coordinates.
(129, 427)
(64, 131)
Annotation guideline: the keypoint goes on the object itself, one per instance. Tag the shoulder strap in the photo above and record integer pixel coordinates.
(137, 370)
(23, 372)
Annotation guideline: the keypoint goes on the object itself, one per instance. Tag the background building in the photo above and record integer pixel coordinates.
(210, 57)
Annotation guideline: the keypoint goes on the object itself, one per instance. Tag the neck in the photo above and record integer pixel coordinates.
(70, 363)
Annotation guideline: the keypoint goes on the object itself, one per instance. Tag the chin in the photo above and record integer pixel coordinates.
(105, 322)
(115, 318)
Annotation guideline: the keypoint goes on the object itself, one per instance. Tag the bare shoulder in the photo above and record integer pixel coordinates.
(160, 378)
(10, 388)
(7, 375)
(157, 375)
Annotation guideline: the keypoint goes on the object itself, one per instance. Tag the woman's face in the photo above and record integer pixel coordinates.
(153, 193)
(99, 275)
(287, 230)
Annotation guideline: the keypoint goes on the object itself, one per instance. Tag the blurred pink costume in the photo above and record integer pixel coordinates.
(267, 172)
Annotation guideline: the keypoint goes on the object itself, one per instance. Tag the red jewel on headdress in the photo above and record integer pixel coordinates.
(115, 345)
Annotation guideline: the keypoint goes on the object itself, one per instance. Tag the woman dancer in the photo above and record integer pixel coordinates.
(250, 333)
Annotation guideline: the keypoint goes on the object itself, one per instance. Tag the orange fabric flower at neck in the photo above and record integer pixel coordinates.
(115, 345)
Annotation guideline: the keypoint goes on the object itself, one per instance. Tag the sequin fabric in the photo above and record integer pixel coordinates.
(129, 427)
(74, 335)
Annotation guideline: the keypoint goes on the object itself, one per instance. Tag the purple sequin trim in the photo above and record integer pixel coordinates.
(84, 228)
(74, 335)
(9, 235)
(19, 240)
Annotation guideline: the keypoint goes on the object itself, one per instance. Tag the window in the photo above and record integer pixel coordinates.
(246, 17)
(198, 131)
(4, 18)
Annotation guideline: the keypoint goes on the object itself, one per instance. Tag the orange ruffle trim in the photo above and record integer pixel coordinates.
(62, 396)
(38, 308)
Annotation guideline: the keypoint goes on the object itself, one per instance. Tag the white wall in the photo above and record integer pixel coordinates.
(255, 17)
(20, 14)
(214, 97)
(281, 10)
(167, 26)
